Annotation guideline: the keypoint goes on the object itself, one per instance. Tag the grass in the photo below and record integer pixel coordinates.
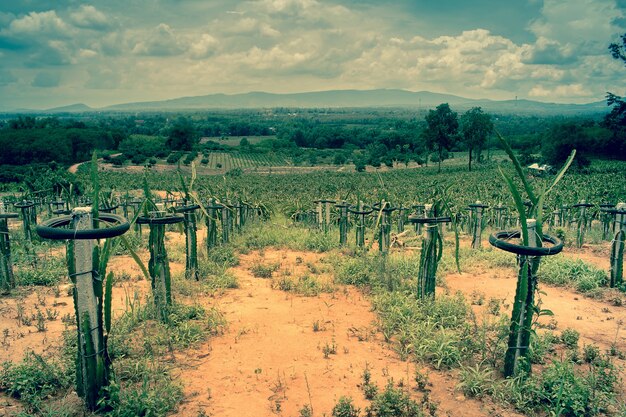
(34, 380)
(306, 285)
(571, 273)
(281, 233)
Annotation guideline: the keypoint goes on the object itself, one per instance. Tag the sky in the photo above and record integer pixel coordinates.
(55, 53)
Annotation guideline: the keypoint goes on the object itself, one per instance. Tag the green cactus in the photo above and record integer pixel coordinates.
(617, 248)
(531, 219)
(7, 279)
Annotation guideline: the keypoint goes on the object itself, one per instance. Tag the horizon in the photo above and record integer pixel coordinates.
(107, 107)
(66, 52)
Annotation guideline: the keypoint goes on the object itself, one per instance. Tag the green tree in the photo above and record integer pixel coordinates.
(441, 130)
(616, 119)
(182, 135)
(561, 140)
(476, 126)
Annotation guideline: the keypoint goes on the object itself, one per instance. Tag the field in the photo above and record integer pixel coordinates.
(286, 321)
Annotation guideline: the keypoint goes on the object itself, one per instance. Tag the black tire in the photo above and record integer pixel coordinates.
(52, 229)
(499, 240)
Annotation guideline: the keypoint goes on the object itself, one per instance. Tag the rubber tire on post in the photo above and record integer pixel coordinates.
(498, 240)
(429, 220)
(184, 209)
(51, 229)
(160, 220)
(25, 204)
(356, 210)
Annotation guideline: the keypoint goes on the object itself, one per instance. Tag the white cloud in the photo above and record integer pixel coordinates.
(87, 53)
(89, 17)
(39, 24)
(203, 47)
(160, 41)
(560, 91)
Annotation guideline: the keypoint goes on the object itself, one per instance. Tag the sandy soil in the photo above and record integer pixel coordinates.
(270, 361)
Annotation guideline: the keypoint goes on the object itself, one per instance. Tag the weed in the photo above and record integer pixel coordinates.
(329, 349)
(52, 315)
(477, 298)
(476, 380)
(34, 379)
(260, 270)
(345, 408)
(493, 306)
(591, 353)
(569, 338)
(393, 402)
(370, 390)
(318, 326)
(573, 273)
(306, 411)
(422, 381)
(40, 321)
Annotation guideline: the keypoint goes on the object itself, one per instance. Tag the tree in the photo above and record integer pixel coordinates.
(182, 135)
(616, 119)
(561, 139)
(441, 130)
(476, 126)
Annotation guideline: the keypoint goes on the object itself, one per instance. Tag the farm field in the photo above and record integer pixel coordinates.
(284, 320)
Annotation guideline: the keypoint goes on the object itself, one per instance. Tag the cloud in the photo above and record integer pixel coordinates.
(50, 53)
(88, 17)
(568, 91)
(39, 24)
(161, 41)
(203, 47)
(293, 45)
(46, 79)
(549, 52)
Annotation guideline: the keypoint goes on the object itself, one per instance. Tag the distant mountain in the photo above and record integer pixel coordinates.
(342, 99)
(357, 98)
(72, 108)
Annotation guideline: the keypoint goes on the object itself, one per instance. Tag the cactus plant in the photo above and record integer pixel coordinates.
(7, 279)
(617, 247)
(531, 234)
(432, 250)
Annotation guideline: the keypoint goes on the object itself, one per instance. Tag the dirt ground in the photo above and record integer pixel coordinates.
(271, 361)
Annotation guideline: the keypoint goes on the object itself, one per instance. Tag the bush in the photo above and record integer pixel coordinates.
(345, 408)
(393, 402)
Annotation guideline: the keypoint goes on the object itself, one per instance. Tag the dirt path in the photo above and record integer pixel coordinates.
(270, 361)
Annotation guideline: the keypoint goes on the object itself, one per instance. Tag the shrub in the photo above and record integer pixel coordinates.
(345, 408)
(393, 402)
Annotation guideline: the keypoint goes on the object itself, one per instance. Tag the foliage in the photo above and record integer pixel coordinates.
(181, 135)
(573, 273)
(34, 379)
(393, 402)
(476, 126)
(441, 129)
(345, 408)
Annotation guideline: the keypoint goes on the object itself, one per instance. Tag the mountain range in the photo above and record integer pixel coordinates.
(390, 98)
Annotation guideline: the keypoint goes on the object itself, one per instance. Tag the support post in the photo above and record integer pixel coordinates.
(93, 363)
(617, 247)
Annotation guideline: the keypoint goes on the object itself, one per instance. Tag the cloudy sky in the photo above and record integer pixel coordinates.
(60, 52)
